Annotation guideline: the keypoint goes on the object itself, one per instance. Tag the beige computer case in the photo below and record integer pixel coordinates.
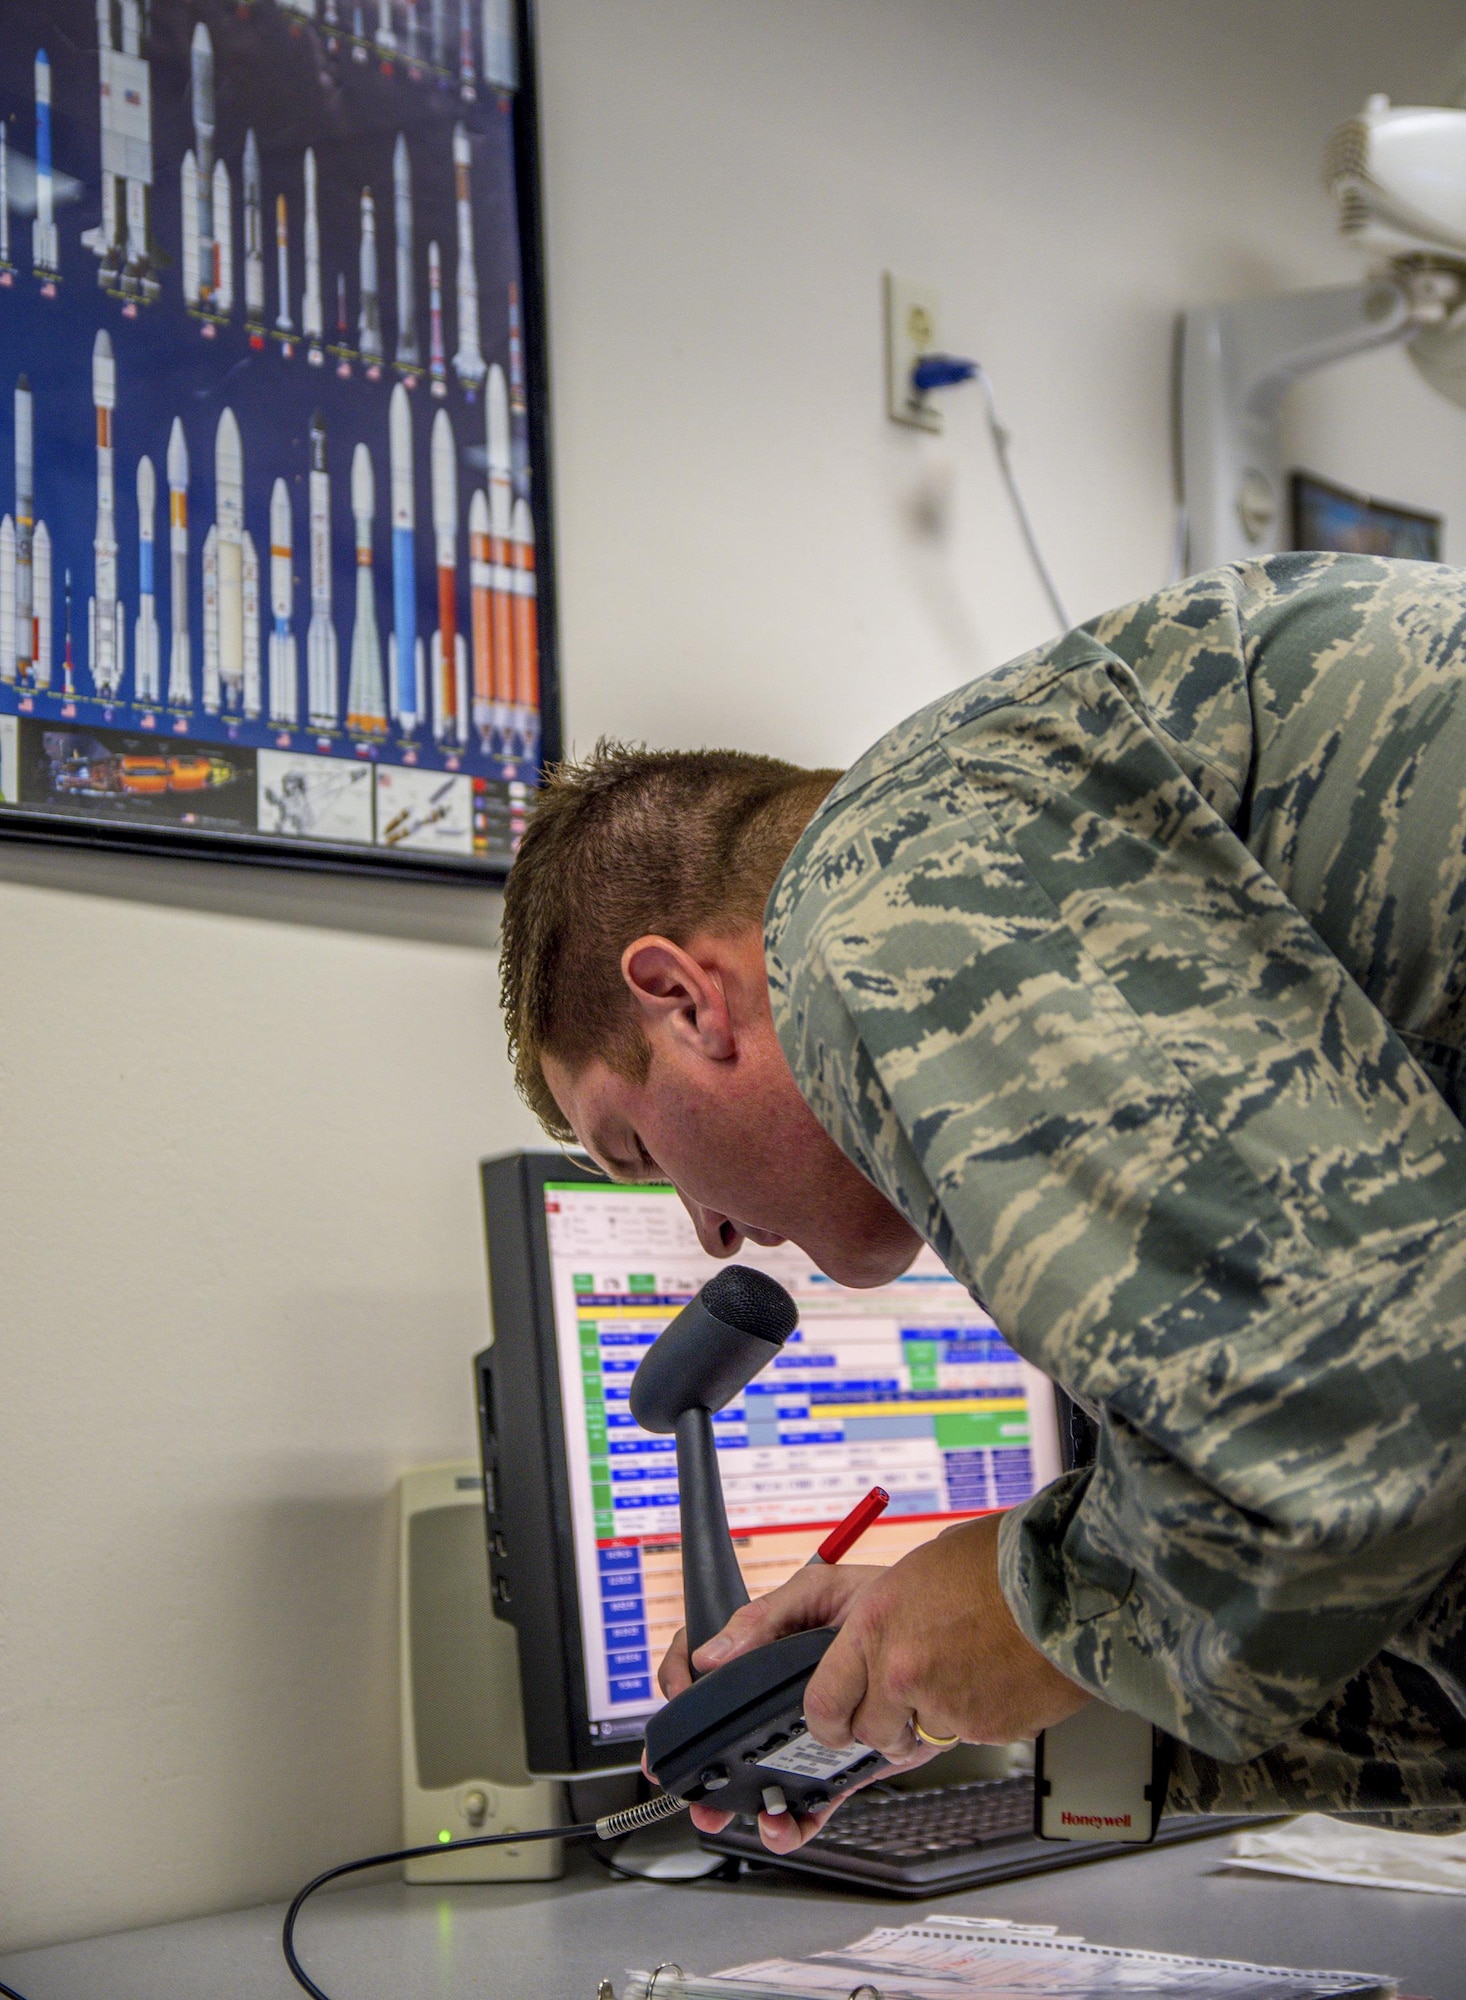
(463, 1768)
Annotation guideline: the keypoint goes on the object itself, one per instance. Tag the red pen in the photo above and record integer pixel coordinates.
(839, 1541)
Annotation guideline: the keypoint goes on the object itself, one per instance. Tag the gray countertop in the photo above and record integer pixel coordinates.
(387, 1941)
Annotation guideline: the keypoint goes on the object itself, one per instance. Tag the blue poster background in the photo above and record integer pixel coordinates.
(296, 82)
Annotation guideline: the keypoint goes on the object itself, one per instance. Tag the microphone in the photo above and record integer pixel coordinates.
(698, 1363)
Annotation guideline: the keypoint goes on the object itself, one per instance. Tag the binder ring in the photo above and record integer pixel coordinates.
(665, 1966)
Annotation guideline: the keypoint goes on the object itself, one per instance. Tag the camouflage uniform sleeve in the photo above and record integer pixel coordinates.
(1034, 983)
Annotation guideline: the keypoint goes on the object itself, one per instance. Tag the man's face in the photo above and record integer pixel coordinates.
(719, 1114)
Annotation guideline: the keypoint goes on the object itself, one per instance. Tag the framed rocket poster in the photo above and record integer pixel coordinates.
(274, 518)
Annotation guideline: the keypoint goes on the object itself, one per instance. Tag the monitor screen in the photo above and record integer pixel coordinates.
(908, 1386)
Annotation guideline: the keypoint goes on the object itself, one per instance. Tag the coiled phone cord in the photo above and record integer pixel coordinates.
(611, 1826)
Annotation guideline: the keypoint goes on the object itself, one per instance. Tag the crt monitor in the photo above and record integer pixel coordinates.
(908, 1386)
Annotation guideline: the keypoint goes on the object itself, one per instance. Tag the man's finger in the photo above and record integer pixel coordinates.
(819, 1595)
(674, 1674)
(837, 1687)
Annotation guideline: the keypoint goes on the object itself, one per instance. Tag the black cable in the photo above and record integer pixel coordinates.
(9, 1992)
(611, 1826)
(287, 1933)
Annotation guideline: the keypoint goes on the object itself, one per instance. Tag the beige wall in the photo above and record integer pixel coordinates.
(239, 1113)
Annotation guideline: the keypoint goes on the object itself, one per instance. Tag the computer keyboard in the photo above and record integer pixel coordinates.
(925, 1843)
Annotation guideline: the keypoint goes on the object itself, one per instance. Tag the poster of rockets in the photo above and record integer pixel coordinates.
(273, 529)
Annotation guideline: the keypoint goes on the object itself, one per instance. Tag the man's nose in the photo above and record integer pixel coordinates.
(717, 1235)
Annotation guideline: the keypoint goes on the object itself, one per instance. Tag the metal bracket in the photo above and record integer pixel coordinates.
(1236, 363)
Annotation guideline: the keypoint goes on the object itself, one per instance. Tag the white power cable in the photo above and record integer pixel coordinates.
(1001, 439)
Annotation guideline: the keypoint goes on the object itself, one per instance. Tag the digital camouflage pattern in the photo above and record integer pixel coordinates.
(1135, 976)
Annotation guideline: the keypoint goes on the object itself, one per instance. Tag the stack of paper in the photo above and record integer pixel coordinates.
(982, 1958)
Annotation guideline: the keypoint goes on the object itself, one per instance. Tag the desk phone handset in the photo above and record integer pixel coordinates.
(736, 1738)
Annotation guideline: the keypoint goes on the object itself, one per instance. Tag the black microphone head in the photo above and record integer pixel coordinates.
(751, 1301)
(713, 1348)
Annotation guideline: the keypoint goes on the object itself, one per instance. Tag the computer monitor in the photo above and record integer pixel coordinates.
(908, 1386)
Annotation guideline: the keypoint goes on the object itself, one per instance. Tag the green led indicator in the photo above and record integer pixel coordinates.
(444, 1835)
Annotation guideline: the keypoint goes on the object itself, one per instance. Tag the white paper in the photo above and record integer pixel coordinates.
(951, 1958)
(1365, 1857)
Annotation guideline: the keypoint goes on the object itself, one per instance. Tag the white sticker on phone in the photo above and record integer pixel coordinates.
(808, 1759)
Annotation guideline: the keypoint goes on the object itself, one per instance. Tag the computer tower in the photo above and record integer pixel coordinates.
(463, 1757)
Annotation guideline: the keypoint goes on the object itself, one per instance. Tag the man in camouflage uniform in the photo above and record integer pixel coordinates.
(1133, 976)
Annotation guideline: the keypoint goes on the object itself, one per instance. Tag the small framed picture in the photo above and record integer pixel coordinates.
(1334, 519)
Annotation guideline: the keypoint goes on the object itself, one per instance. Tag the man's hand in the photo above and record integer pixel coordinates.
(930, 1640)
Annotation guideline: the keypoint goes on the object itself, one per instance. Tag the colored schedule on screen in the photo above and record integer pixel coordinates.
(909, 1385)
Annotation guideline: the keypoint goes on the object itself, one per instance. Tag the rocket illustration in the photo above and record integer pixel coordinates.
(518, 405)
(41, 663)
(405, 653)
(437, 362)
(468, 362)
(322, 661)
(412, 39)
(254, 241)
(202, 68)
(6, 266)
(480, 616)
(25, 532)
(366, 701)
(121, 237)
(450, 652)
(229, 562)
(210, 566)
(501, 576)
(341, 351)
(188, 187)
(467, 77)
(249, 570)
(312, 307)
(438, 32)
(283, 322)
(526, 633)
(106, 621)
(223, 209)
(386, 38)
(180, 664)
(7, 599)
(68, 668)
(408, 354)
(501, 57)
(369, 320)
(45, 250)
(146, 668)
(284, 674)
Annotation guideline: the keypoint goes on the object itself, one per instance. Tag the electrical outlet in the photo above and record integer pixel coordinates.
(913, 318)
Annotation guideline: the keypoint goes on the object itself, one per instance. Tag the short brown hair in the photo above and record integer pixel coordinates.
(625, 842)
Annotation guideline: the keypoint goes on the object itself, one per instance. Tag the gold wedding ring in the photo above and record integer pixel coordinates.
(934, 1742)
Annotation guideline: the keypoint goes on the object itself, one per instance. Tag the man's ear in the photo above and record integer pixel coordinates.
(677, 995)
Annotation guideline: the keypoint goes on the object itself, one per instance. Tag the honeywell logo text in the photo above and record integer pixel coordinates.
(1094, 1819)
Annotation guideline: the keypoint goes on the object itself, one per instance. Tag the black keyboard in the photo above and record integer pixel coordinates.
(926, 1843)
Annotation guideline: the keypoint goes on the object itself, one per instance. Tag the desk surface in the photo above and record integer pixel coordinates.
(553, 1941)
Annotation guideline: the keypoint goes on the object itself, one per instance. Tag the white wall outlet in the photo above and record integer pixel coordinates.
(913, 318)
